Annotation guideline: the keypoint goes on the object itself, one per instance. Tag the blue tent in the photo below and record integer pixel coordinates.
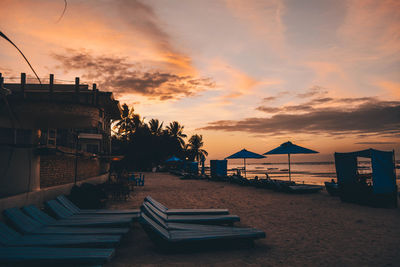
(383, 169)
(290, 148)
(245, 154)
(173, 159)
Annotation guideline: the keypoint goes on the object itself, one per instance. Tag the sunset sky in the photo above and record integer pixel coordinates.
(244, 74)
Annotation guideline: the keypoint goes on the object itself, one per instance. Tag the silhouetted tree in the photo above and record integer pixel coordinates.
(155, 127)
(175, 130)
(148, 145)
(194, 148)
(128, 123)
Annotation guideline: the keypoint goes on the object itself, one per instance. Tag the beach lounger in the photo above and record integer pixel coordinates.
(304, 189)
(201, 219)
(47, 220)
(191, 226)
(184, 239)
(27, 225)
(76, 210)
(168, 211)
(332, 188)
(60, 211)
(42, 256)
(11, 238)
(63, 213)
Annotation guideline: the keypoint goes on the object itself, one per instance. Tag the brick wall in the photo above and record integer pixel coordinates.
(60, 169)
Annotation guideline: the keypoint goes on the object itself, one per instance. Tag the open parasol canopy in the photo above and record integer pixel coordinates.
(173, 159)
(245, 154)
(290, 148)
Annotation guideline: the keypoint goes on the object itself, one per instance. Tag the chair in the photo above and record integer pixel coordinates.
(40, 256)
(190, 226)
(62, 212)
(11, 238)
(184, 239)
(139, 181)
(201, 218)
(168, 211)
(27, 225)
(47, 220)
(76, 210)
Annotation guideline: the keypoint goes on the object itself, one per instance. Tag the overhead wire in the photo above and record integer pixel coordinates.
(62, 14)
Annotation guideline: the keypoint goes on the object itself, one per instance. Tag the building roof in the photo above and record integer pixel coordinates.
(65, 93)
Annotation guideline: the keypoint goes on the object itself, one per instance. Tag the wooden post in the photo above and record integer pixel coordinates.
(290, 177)
(77, 89)
(94, 88)
(76, 157)
(51, 82)
(97, 97)
(23, 82)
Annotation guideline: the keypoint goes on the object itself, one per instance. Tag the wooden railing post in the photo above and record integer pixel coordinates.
(23, 83)
(77, 89)
(51, 87)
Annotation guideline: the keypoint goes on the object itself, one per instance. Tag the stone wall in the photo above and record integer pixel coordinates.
(38, 197)
(19, 170)
(60, 169)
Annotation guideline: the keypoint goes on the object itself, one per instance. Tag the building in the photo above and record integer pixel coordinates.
(53, 134)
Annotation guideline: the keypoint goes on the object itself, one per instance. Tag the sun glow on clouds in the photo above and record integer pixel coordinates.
(232, 68)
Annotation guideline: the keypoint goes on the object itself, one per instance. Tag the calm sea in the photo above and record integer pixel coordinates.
(307, 172)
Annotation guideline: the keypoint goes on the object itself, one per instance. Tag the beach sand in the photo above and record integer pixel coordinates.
(302, 230)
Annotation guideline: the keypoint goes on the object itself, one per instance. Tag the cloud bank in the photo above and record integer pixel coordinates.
(362, 116)
(121, 76)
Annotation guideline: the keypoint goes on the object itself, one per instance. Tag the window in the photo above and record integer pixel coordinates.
(52, 137)
(10, 136)
(92, 148)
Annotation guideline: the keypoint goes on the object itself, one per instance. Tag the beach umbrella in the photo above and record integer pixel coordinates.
(245, 154)
(173, 159)
(290, 148)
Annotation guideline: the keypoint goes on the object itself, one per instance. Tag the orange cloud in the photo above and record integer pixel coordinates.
(129, 28)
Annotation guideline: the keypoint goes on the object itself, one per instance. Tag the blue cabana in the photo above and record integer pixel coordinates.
(383, 169)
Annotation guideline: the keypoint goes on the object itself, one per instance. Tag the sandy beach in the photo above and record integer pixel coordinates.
(302, 230)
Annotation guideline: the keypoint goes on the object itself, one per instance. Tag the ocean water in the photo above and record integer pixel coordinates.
(307, 172)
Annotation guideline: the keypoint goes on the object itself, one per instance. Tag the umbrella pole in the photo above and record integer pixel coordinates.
(290, 178)
(244, 161)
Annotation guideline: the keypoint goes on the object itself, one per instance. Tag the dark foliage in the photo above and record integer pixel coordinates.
(145, 146)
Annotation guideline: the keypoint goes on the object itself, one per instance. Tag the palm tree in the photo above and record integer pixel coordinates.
(195, 150)
(128, 123)
(155, 127)
(175, 130)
